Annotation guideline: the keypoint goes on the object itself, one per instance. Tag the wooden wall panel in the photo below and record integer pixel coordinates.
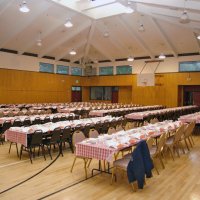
(29, 87)
(125, 94)
(33, 87)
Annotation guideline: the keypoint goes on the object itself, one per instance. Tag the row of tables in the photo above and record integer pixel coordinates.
(20, 134)
(106, 146)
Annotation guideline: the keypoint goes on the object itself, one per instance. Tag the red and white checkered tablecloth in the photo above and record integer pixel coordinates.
(17, 137)
(94, 151)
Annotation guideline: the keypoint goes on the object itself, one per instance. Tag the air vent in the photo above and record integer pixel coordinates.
(64, 60)
(9, 51)
(189, 54)
(30, 54)
(49, 57)
(102, 61)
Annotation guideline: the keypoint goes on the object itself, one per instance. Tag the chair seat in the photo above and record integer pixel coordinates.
(122, 163)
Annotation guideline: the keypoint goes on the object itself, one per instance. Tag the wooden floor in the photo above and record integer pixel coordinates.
(180, 179)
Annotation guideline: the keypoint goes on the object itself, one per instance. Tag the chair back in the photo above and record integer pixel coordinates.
(66, 134)
(55, 138)
(6, 125)
(36, 138)
(86, 129)
(27, 122)
(119, 128)
(17, 123)
(111, 130)
(93, 133)
(46, 120)
(78, 136)
(178, 134)
(63, 118)
(161, 143)
(55, 119)
(37, 120)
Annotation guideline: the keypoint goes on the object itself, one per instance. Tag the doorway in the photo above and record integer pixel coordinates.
(76, 94)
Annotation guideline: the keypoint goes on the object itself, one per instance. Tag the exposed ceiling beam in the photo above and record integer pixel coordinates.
(90, 36)
(102, 51)
(4, 5)
(77, 57)
(65, 38)
(167, 12)
(164, 36)
(24, 23)
(192, 5)
(135, 36)
(75, 47)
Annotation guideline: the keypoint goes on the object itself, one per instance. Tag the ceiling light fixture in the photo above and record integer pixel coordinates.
(68, 23)
(130, 59)
(72, 52)
(184, 19)
(198, 37)
(141, 28)
(24, 8)
(106, 34)
(39, 40)
(162, 56)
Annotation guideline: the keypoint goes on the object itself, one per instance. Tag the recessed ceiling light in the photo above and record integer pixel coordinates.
(72, 52)
(198, 37)
(162, 56)
(24, 8)
(68, 23)
(130, 59)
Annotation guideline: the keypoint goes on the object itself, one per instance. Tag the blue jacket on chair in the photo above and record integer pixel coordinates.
(140, 164)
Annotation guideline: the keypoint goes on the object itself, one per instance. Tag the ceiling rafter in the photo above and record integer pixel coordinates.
(65, 38)
(77, 57)
(164, 36)
(90, 36)
(22, 25)
(75, 47)
(135, 36)
(102, 51)
(4, 5)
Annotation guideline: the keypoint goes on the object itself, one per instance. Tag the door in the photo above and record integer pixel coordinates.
(196, 98)
(115, 95)
(76, 94)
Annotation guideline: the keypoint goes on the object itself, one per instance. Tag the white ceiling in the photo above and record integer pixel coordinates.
(163, 31)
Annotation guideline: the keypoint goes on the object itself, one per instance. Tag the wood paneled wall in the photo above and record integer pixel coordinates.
(33, 87)
(27, 87)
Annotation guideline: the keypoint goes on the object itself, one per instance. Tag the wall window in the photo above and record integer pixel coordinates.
(105, 70)
(76, 88)
(46, 67)
(76, 71)
(100, 93)
(190, 66)
(127, 69)
(61, 69)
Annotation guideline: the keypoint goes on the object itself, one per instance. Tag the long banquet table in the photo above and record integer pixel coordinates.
(20, 134)
(106, 146)
(145, 114)
(132, 109)
(190, 118)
